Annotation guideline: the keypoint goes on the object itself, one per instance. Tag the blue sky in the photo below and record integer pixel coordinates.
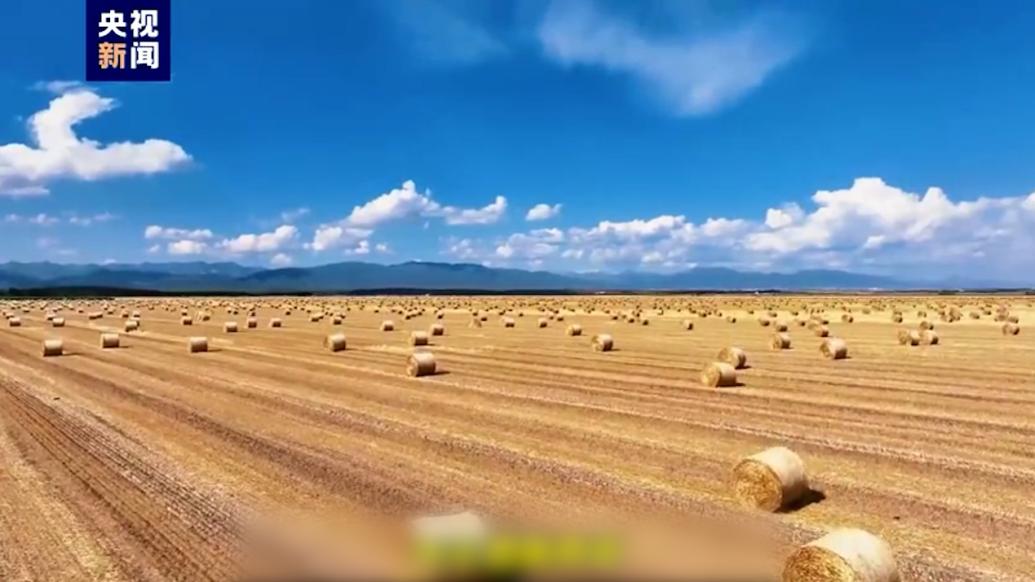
(882, 137)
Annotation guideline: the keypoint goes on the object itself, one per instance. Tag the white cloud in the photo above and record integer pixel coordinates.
(361, 248)
(186, 247)
(777, 218)
(397, 204)
(335, 236)
(281, 260)
(489, 214)
(446, 34)
(43, 220)
(101, 218)
(382, 248)
(402, 203)
(870, 225)
(294, 215)
(57, 152)
(261, 243)
(161, 232)
(693, 73)
(542, 211)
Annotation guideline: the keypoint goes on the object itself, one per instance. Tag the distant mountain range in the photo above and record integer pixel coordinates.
(358, 276)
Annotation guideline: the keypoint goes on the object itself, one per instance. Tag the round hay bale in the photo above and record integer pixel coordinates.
(420, 364)
(834, 348)
(508, 321)
(418, 338)
(53, 348)
(780, 327)
(230, 327)
(276, 322)
(475, 322)
(335, 342)
(574, 330)
(847, 318)
(388, 325)
(688, 325)
(719, 374)
(764, 322)
(14, 322)
(543, 322)
(929, 337)
(735, 357)
(109, 341)
(336, 320)
(603, 342)
(780, 341)
(645, 321)
(131, 325)
(437, 329)
(1011, 329)
(908, 337)
(843, 555)
(771, 480)
(58, 322)
(197, 344)
(924, 325)
(186, 320)
(821, 331)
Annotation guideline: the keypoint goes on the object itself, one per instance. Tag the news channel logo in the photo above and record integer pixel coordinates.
(128, 40)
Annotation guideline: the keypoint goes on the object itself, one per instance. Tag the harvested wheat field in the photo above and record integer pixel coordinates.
(153, 459)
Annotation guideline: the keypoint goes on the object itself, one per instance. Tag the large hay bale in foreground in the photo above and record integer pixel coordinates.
(418, 338)
(574, 330)
(252, 322)
(844, 555)
(780, 341)
(603, 342)
(53, 348)
(109, 341)
(420, 364)
(14, 322)
(733, 356)
(197, 345)
(335, 342)
(771, 480)
(834, 348)
(719, 375)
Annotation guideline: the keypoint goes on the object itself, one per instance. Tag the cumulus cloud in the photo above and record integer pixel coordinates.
(281, 260)
(869, 225)
(542, 211)
(693, 72)
(56, 152)
(405, 202)
(488, 214)
(336, 236)
(186, 247)
(155, 231)
(261, 243)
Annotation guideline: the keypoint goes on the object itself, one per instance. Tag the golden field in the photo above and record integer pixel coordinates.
(143, 462)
